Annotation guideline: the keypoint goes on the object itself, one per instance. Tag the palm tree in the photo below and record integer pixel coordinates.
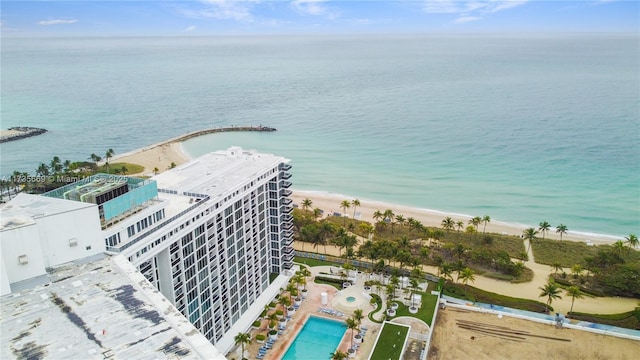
(485, 220)
(556, 266)
(400, 220)
(530, 234)
(355, 203)
(307, 204)
(632, 241)
(285, 302)
(619, 248)
(378, 215)
(576, 270)
(351, 324)
(42, 170)
(66, 164)
(290, 289)
(358, 316)
(544, 227)
(95, 158)
(446, 271)
(344, 205)
(561, 229)
(475, 222)
(415, 285)
(305, 273)
(155, 171)
(242, 339)
(273, 317)
(551, 291)
(108, 156)
(124, 170)
(467, 275)
(447, 223)
(575, 293)
(317, 213)
(339, 355)
(56, 165)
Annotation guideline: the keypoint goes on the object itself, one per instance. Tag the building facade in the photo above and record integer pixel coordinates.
(214, 236)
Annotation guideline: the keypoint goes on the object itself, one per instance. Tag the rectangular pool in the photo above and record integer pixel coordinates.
(318, 339)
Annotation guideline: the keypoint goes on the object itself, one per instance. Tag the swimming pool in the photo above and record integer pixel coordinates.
(317, 340)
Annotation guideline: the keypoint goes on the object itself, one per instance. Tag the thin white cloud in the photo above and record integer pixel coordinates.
(56, 22)
(469, 10)
(310, 7)
(222, 10)
(314, 8)
(190, 28)
(466, 19)
(441, 7)
(483, 6)
(504, 5)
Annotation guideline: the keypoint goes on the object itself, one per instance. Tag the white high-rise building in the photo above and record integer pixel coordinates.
(214, 236)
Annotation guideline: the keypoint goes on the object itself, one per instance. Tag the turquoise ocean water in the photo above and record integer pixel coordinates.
(521, 128)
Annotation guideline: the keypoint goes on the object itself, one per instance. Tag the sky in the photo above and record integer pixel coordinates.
(231, 17)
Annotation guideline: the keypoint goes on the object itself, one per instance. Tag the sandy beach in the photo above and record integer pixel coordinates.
(450, 341)
(161, 155)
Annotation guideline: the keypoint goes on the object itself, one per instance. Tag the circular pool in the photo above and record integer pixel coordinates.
(350, 299)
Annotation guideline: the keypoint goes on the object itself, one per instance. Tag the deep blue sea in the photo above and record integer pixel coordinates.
(523, 128)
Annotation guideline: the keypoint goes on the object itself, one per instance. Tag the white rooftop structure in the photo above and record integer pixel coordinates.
(22, 209)
(97, 309)
(218, 172)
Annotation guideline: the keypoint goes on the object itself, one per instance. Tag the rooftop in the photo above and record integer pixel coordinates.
(21, 210)
(102, 308)
(217, 173)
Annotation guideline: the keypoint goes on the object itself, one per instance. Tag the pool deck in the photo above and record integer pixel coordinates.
(309, 307)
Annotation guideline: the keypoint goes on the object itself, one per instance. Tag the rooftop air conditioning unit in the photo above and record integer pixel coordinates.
(22, 259)
(73, 242)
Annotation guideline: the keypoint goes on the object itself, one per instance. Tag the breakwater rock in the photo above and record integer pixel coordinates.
(19, 132)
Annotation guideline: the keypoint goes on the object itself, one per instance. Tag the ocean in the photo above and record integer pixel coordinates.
(524, 128)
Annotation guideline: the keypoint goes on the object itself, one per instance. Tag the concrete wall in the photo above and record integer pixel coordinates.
(70, 235)
(16, 242)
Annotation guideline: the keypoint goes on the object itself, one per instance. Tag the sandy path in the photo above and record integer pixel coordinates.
(452, 342)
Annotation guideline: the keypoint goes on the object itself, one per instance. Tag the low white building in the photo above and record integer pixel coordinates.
(37, 233)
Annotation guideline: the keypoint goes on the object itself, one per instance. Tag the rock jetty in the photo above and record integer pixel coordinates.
(20, 132)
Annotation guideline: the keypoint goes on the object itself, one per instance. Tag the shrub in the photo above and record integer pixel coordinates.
(261, 337)
(256, 323)
(279, 312)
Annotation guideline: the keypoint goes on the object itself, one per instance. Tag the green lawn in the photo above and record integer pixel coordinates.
(425, 312)
(390, 342)
(312, 262)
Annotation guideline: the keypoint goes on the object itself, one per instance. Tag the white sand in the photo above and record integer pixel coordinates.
(330, 202)
(163, 154)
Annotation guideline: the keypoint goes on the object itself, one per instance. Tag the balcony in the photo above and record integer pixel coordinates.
(286, 210)
(286, 218)
(285, 201)
(285, 167)
(285, 192)
(286, 234)
(285, 176)
(285, 184)
(287, 227)
(287, 241)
